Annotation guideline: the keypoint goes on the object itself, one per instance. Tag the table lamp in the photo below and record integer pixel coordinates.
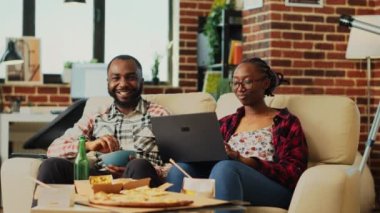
(10, 56)
(364, 43)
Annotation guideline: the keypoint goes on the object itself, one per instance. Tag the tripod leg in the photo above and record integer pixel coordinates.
(371, 138)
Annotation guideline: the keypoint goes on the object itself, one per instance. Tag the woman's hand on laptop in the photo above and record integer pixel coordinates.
(104, 144)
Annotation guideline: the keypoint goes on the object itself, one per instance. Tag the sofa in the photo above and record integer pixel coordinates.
(332, 182)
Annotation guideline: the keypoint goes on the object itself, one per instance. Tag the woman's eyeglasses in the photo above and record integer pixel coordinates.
(246, 83)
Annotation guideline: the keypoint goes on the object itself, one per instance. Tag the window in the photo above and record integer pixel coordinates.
(141, 28)
(11, 25)
(65, 31)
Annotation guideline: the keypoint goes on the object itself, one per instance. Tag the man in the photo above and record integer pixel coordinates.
(124, 125)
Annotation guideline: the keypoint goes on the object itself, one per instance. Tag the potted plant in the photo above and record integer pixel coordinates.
(155, 69)
(68, 66)
(211, 27)
(67, 69)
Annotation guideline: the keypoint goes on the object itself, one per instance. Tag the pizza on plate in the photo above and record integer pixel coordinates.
(139, 197)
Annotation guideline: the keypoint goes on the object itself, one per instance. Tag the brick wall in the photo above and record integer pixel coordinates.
(308, 47)
(42, 95)
(189, 12)
(59, 94)
(375, 156)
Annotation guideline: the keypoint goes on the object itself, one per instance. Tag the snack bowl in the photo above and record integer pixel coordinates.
(117, 158)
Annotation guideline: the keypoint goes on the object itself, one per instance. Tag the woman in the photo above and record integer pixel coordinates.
(266, 146)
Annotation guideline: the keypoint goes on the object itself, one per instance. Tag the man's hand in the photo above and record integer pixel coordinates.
(104, 144)
(88, 127)
(116, 171)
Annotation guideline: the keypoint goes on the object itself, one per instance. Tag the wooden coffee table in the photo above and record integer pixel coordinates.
(75, 209)
(84, 209)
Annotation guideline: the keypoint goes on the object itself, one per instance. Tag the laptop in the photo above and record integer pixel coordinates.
(189, 137)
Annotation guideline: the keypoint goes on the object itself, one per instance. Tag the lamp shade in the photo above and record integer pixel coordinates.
(10, 56)
(77, 1)
(363, 44)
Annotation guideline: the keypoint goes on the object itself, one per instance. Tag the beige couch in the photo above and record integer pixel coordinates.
(331, 125)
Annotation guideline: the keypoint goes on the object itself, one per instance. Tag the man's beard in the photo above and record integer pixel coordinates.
(132, 100)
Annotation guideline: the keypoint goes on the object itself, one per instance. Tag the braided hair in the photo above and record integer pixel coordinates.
(276, 79)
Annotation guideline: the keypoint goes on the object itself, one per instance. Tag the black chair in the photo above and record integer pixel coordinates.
(65, 120)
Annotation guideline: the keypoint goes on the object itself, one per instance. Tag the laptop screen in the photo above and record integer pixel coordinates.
(189, 137)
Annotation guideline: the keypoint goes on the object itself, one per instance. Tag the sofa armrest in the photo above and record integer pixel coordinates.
(367, 187)
(16, 189)
(327, 188)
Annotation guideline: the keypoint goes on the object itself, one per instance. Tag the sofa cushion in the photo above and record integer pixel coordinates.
(184, 103)
(331, 123)
(179, 103)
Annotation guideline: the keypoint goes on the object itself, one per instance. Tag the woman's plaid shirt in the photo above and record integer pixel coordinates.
(133, 131)
(291, 153)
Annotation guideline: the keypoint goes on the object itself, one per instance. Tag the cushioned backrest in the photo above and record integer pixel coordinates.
(331, 123)
(184, 103)
(179, 103)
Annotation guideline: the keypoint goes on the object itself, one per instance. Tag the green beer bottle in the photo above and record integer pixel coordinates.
(81, 164)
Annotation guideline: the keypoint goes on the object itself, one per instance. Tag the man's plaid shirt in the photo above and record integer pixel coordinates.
(133, 131)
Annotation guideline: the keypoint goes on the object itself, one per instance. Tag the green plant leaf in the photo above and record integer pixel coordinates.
(156, 65)
(212, 23)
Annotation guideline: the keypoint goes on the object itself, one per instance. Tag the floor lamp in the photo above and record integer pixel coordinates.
(364, 43)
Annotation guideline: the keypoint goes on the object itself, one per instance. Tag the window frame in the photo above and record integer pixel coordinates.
(305, 3)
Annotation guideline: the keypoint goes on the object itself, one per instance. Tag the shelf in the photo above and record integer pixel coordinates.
(230, 28)
(231, 25)
(220, 65)
(215, 66)
(236, 21)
